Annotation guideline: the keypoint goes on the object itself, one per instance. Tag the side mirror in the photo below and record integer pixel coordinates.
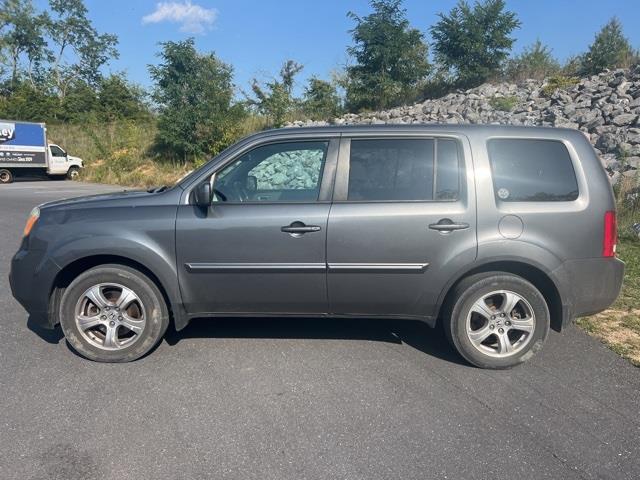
(252, 183)
(202, 195)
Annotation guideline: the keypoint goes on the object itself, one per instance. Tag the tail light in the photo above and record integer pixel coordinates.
(610, 237)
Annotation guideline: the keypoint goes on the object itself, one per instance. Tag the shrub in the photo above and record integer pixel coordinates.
(505, 104)
(535, 61)
(321, 100)
(558, 82)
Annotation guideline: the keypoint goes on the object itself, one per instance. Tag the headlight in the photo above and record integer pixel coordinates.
(31, 221)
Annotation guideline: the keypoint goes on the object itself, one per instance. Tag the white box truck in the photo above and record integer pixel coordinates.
(24, 150)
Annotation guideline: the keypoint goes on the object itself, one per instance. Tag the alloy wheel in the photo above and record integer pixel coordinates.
(110, 316)
(500, 323)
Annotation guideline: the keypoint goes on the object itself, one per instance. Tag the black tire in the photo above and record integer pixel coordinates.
(150, 299)
(457, 320)
(73, 173)
(6, 176)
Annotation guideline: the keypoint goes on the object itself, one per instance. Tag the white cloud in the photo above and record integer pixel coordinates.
(192, 18)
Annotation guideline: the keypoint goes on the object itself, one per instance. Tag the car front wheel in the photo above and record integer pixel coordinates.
(73, 173)
(497, 320)
(113, 313)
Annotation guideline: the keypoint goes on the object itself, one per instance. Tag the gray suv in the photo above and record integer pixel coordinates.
(495, 233)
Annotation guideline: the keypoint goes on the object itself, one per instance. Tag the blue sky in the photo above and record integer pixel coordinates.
(257, 36)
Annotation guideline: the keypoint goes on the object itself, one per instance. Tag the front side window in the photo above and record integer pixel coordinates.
(57, 151)
(281, 172)
(532, 170)
(404, 170)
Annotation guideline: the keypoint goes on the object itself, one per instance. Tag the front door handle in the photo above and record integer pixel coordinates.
(447, 225)
(299, 228)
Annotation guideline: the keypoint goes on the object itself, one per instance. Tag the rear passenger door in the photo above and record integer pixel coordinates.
(402, 223)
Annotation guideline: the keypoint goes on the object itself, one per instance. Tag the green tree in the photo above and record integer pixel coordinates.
(535, 61)
(472, 43)
(117, 99)
(390, 58)
(78, 49)
(23, 102)
(321, 100)
(610, 49)
(194, 93)
(22, 38)
(80, 103)
(275, 99)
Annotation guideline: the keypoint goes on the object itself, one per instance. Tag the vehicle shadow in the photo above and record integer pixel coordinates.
(50, 336)
(418, 335)
(34, 177)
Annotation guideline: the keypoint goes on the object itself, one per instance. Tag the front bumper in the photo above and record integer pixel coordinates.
(31, 278)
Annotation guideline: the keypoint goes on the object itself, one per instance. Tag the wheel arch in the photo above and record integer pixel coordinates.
(74, 268)
(535, 274)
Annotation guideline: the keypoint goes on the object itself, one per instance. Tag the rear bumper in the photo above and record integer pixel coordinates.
(590, 285)
(31, 278)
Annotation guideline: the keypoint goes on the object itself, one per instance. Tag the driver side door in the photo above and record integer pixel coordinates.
(58, 163)
(260, 247)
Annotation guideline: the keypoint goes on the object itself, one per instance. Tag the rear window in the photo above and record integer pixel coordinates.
(527, 170)
(404, 169)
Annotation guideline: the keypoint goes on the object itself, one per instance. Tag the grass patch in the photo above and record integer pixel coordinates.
(505, 104)
(619, 327)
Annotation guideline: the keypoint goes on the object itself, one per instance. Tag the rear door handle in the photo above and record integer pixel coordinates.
(447, 225)
(298, 228)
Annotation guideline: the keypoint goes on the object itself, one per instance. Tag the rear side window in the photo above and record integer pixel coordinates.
(527, 170)
(403, 169)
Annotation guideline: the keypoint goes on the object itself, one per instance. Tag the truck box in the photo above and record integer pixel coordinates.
(23, 144)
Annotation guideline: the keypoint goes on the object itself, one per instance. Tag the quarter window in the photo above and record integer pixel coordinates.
(447, 170)
(531, 170)
(282, 172)
(404, 169)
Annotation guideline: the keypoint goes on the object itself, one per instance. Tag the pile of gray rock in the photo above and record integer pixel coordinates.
(294, 170)
(606, 107)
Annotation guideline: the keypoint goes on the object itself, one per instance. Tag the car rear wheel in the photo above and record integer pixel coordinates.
(497, 320)
(113, 313)
(5, 176)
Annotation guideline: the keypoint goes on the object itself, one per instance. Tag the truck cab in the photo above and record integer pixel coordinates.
(61, 163)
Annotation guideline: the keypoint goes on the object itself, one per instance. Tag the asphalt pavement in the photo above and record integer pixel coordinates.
(302, 399)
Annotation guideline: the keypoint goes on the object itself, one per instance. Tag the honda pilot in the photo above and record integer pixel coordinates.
(495, 233)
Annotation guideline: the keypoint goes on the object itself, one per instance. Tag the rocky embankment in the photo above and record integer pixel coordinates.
(606, 107)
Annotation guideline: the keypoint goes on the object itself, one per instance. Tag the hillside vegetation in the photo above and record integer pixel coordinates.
(122, 152)
(118, 152)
